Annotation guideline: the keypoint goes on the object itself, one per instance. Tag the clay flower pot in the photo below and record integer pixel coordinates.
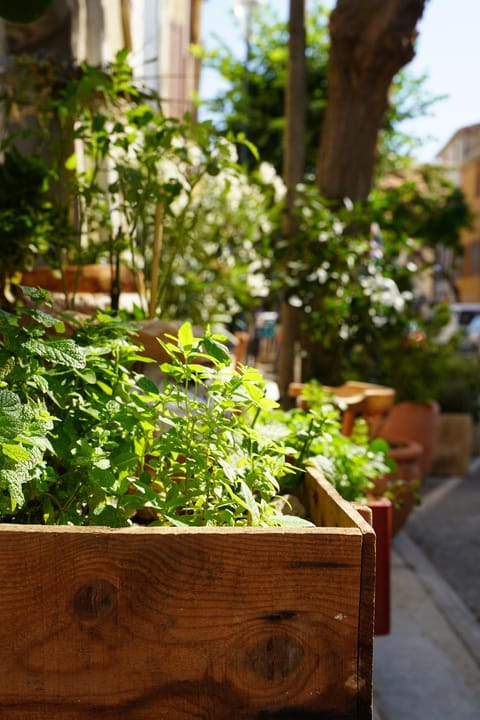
(414, 422)
(403, 482)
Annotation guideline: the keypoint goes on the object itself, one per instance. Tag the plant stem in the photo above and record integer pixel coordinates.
(157, 252)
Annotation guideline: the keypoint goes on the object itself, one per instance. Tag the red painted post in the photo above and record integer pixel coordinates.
(382, 524)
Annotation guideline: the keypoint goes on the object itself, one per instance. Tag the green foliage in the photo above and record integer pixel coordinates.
(253, 100)
(459, 391)
(355, 282)
(85, 439)
(420, 206)
(409, 100)
(411, 363)
(165, 196)
(410, 358)
(351, 299)
(314, 437)
(25, 213)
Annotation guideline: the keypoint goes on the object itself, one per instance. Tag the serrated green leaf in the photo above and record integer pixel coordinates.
(7, 368)
(41, 442)
(15, 452)
(10, 404)
(36, 294)
(39, 381)
(88, 376)
(217, 350)
(256, 393)
(147, 385)
(11, 422)
(228, 469)
(47, 320)
(60, 352)
(14, 481)
(103, 386)
(250, 502)
(186, 337)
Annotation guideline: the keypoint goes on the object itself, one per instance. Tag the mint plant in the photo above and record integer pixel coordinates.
(87, 439)
(314, 438)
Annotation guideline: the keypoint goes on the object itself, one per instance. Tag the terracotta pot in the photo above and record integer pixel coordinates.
(414, 422)
(378, 398)
(403, 482)
(84, 279)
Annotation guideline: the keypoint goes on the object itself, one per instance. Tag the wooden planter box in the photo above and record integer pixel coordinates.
(170, 624)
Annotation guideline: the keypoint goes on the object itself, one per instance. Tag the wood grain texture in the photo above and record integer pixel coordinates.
(173, 624)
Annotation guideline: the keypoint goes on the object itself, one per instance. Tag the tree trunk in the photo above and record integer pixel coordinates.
(371, 40)
(293, 173)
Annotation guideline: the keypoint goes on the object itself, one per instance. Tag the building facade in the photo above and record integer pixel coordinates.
(461, 158)
(158, 34)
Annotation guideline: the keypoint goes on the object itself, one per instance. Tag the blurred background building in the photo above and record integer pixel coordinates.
(157, 33)
(461, 158)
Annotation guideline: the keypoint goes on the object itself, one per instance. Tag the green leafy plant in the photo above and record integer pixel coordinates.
(86, 439)
(163, 196)
(459, 391)
(314, 437)
(26, 215)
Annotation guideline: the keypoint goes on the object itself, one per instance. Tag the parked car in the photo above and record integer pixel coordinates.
(461, 314)
(473, 330)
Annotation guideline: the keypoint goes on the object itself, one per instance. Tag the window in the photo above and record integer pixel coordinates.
(477, 180)
(475, 258)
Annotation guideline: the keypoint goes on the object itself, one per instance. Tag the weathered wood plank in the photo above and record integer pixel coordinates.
(159, 623)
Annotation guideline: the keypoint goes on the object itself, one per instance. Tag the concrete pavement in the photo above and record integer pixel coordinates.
(428, 668)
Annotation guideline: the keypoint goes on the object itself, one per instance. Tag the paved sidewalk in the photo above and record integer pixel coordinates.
(428, 668)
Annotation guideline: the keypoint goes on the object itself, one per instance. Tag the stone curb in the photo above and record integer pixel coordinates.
(458, 616)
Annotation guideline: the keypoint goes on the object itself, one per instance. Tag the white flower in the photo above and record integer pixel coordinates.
(267, 173)
(385, 292)
(179, 203)
(322, 275)
(257, 285)
(232, 153)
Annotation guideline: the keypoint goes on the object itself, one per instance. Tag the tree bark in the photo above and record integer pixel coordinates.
(293, 173)
(50, 33)
(371, 40)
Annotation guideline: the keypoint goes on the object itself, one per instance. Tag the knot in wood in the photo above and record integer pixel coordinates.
(95, 600)
(275, 657)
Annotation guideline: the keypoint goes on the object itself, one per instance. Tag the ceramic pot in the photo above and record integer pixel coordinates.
(83, 279)
(414, 422)
(403, 482)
